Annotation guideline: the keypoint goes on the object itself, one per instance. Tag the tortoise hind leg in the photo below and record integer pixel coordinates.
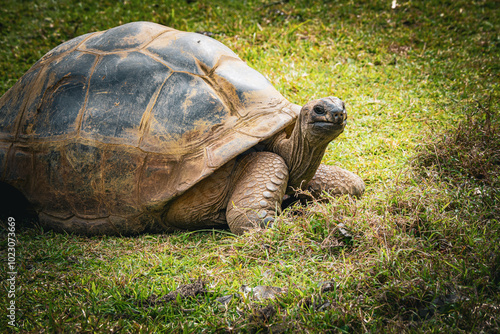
(258, 189)
(202, 206)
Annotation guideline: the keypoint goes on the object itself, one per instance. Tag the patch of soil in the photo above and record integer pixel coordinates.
(262, 315)
(184, 291)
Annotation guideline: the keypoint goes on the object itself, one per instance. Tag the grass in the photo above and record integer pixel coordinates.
(418, 253)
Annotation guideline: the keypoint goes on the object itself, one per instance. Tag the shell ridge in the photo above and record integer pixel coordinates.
(106, 53)
(219, 91)
(79, 119)
(21, 116)
(226, 101)
(281, 107)
(95, 34)
(56, 217)
(155, 57)
(222, 58)
(132, 36)
(41, 63)
(166, 31)
(217, 154)
(86, 39)
(146, 116)
(140, 178)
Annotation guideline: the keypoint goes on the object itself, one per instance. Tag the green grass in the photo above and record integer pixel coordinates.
(421, 83)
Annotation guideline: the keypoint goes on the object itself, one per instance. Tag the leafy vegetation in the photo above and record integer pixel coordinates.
(420, 252)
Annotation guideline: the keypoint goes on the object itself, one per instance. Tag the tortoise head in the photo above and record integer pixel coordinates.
(303, 144)
(323, 120)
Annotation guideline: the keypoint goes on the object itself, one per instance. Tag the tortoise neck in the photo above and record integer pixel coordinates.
(302, 157)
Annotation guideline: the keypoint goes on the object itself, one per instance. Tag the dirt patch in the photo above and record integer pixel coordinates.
(262, 315)
(184, 291)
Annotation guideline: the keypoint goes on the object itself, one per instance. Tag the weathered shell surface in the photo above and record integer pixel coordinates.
(111, 123)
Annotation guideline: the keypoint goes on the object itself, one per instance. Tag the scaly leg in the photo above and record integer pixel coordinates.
(257, 191)
(331, 179)
(335, 181)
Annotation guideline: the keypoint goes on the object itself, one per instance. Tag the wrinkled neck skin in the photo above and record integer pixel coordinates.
(302, 156)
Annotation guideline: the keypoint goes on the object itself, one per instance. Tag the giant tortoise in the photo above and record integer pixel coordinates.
(146, 128)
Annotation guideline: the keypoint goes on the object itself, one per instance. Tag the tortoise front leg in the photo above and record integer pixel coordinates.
(258, 189)
(335, 181)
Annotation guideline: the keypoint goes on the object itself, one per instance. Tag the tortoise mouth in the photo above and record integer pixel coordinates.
(328, 125)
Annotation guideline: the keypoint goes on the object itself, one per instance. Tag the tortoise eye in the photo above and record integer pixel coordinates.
(319, 110)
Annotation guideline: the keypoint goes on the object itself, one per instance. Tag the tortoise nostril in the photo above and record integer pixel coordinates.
(338, 117)
(343, 116)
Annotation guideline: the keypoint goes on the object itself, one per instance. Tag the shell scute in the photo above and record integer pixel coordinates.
(156, 179)
(121, 91)
(50, 175)
(120, 177)
(61, 48)
(57, 98)
(19, 166)
(246, 84)
(12, 105)
(221, 151)
(185, 111)
(185, 51)
(82, 166)
(127, 36)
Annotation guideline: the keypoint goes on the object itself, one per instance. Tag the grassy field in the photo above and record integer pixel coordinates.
(419, 252)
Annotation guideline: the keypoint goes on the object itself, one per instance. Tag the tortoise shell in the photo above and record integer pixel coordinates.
(115, 124)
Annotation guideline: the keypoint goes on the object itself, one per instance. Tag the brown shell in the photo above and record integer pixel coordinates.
(114, 123)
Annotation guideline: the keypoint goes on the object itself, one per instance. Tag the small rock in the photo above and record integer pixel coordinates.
(323, 306)
(327, 286)
(343, 231)
(262, 292)
(315, 303)
(224, 300)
